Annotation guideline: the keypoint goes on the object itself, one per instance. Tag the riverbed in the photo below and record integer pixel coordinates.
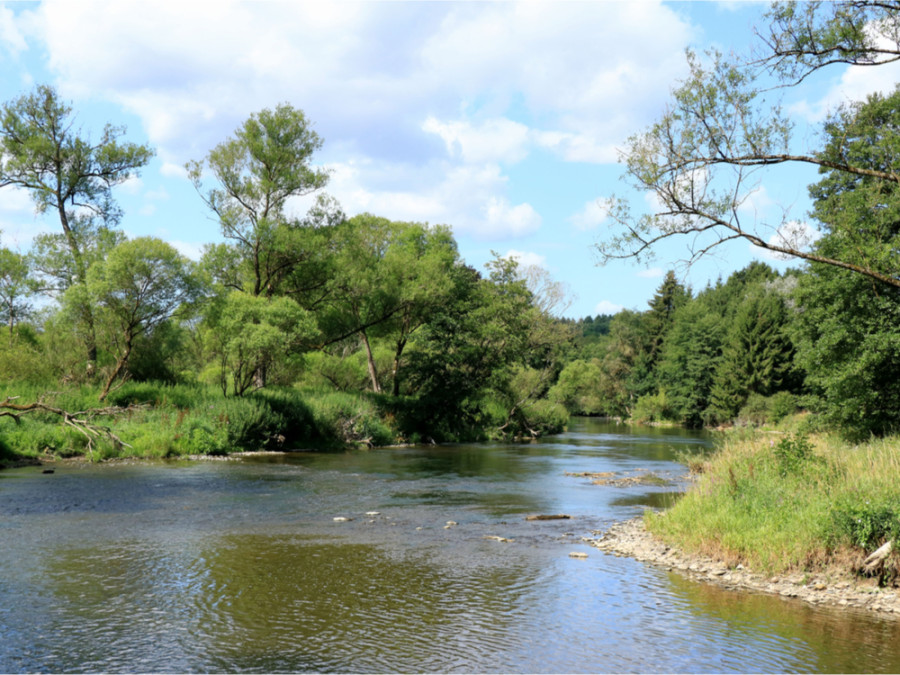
(415, 559)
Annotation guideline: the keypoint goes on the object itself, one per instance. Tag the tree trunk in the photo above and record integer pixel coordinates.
(395, 371)
(120, 366)
(373, 372)
(87, 312)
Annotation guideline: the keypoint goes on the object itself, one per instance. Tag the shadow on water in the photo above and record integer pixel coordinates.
(240, 566)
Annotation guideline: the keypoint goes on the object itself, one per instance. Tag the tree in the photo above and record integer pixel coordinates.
(847, 329)
(251, 332)
(688, 361)
(702, 159)
(15, 288)
(42, 152)
(756, 354)
(387, 281)
(266, 163)
(669, 297)
(803, 37)
(142, 283)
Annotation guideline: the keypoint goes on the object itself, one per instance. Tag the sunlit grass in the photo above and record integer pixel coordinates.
(752, 504)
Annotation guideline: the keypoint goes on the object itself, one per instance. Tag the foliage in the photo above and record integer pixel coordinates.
(41, 151)
(866, 525)
(140, 284)
(794, 454)
(250, 332)
(690, 355)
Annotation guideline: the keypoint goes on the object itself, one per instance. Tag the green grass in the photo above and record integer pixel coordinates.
(174, 420)
(786, 502)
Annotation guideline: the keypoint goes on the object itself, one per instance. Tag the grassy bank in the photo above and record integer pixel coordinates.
(158, 420)
(779, 502)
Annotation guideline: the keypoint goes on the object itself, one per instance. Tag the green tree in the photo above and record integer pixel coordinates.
(757, 354)
(15, 289)
(848, 339)
(65, 173)
(702, 160)
(689, 358)
(266, 163)
(141, 284)
(669, 297)
(251, 332)
(387, 280)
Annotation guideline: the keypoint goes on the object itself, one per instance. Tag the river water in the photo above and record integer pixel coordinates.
(241, 566)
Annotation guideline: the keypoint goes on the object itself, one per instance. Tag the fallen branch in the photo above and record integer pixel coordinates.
(876, 558)
(80, 421)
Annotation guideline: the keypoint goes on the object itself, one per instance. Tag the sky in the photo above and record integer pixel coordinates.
(503, 120)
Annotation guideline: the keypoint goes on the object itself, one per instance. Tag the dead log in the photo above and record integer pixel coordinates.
(876, 559)
(559, 516)
(81, 420)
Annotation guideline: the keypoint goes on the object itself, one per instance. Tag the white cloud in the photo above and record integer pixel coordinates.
(503, 220)
(591, 216)
(495, 140)
(794, 234)
(19, 223)
(419, 103)
(468, 197)
(651, 273)
(172, 170)
(192, 250)
(607, 307)
(526, 258)
(11, 38)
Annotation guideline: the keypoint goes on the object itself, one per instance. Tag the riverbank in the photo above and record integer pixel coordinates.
(833, 585)
(788, 514)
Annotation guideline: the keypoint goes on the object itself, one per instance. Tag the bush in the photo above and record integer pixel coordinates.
(651, 408)
(794, 454)
(866, 525)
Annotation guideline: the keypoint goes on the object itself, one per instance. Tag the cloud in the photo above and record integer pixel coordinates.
(421, 103)
(793, 234)
(651, 273)
(469, 198)
(494, 140)
(11, 38)
(591, 216)
(192, 75)
(607, 307)
(503, 220)
(526, 258)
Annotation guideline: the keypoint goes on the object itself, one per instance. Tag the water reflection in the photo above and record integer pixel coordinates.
(240, 566)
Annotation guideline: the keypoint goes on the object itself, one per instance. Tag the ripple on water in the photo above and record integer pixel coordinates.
(239, 567)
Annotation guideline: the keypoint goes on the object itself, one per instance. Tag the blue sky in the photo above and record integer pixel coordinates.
(502, 120)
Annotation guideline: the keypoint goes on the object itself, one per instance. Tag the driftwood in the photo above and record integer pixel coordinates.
(559, 516)
(876, 558)
(81, 420)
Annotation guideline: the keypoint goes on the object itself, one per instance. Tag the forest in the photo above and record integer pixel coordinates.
(322, 330)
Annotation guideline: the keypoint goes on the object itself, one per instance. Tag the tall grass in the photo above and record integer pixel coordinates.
(791, 502)
(164, 420)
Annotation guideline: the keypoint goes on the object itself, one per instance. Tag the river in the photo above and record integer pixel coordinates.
(240, 566)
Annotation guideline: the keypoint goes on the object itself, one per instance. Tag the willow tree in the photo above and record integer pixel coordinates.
(42, 152)
(267, 162)
(703, 160)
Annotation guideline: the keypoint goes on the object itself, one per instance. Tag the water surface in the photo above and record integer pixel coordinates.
(239, 566)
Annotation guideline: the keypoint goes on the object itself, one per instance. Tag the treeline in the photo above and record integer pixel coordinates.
(306, 305)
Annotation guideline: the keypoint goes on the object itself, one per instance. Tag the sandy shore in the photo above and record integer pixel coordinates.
(834, 587)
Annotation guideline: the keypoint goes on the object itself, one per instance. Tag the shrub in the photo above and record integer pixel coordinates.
(794, 454)
(651, 408)
(866, 525)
